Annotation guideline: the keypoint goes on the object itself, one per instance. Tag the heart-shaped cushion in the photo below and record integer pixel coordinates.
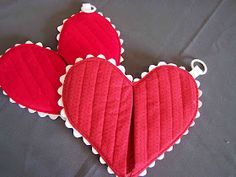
(129, 124)
(88, 33)
(29, 75)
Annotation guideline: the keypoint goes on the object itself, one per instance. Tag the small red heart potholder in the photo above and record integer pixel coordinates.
(29, 75)
(89, 32)
(130, 124)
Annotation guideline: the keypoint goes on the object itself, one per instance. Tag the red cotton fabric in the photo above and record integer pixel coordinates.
(129, 124)
(29, 74)
(88, 33)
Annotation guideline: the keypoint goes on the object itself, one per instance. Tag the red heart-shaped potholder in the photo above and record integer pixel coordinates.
(89, 32)
(29, 75)
(129, 124)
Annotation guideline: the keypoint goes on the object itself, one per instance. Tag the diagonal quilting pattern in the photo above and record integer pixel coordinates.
(94, 93)
(30, 74)
(88, 33)
(129, 124)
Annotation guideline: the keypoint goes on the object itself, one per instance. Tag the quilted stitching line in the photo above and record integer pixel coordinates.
(97, 23)
(77, 95)
(105, 107)
(183, 105)
(77, 120)
(106, 36)
(117, 37)
(53, 68)
(76, 41)
(180, 109)
(87, 41)
(94, 36)
(117, 121)
(171, 100)
(159, 111)
(191, 93)
(20, 76)
(169, 97)
(40, 66)
(93, 97)
(153, 116)
(182, 100)
(26, 65)
(118, 40)
(180, 81)
(51, 63)
(146, 126)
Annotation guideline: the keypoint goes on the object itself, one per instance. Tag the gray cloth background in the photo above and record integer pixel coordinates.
(174, 31)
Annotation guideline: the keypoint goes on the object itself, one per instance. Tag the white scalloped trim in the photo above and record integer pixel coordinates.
(122, 69)
(60, 27)
(41, 114)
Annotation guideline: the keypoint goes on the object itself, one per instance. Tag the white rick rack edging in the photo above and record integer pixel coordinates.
(41, 114)
(196, 71)
(88, 8)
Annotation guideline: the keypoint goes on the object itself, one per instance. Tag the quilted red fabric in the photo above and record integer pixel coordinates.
(129, 124)
(29, 74)
(88, 33)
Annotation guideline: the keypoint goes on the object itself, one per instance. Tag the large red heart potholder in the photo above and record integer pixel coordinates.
(130, 124)
(89, 32)
(29, 75)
